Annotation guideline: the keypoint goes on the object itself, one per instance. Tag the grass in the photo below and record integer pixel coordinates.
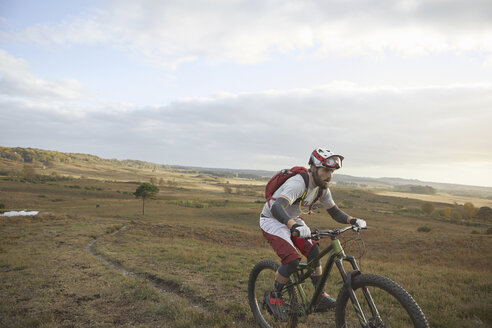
(49, 280)
(200, 244)
(441, 198)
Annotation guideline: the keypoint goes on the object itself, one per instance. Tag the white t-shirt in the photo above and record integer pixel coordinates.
(292, 189)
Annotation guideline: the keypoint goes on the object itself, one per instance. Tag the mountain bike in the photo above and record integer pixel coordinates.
(365, 300)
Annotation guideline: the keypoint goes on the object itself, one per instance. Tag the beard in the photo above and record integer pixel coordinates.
(323, 184)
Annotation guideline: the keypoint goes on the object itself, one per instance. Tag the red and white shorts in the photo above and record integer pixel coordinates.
(279, 237)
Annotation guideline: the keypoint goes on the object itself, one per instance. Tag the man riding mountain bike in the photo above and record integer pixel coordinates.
(285, 230)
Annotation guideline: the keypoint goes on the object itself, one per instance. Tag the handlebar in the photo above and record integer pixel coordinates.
(332, 233)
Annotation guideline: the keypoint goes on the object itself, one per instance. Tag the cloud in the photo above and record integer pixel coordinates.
(17, 81)
(169, 33)
(488, 62)
(371, 126)
(374, 127)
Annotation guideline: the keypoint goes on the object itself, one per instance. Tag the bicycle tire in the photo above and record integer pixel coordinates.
(396, 306)
(260, 281)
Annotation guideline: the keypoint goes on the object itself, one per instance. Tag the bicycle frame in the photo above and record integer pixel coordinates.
(337, 256)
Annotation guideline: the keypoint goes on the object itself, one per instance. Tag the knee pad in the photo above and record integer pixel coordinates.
(287, 269)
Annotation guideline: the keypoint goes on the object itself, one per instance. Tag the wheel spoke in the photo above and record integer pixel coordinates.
(391, 306)
(261, 282)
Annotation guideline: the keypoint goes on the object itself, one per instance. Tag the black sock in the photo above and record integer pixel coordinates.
(277, 287)
(315, 280)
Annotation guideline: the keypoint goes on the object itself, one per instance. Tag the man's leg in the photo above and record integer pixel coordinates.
(316, 276)
(325, 301)
(283, 273)
(278, 235)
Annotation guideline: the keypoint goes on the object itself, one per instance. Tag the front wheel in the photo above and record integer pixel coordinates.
(392, 305)
(260, 283)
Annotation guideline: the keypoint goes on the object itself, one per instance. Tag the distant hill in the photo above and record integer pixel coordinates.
(49, 158)
(398, 183)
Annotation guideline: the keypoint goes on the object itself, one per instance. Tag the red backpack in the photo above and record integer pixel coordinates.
(278, 179)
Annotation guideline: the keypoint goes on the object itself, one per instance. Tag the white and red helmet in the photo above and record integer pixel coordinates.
(324, 157)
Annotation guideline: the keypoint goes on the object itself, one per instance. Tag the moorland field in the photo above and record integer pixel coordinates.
(90, 258)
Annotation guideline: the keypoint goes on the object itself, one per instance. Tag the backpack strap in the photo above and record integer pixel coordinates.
(320, 193)
(305, 176)
(291, 172)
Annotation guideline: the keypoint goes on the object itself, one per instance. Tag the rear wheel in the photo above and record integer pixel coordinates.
(260, 282)
(395, 306)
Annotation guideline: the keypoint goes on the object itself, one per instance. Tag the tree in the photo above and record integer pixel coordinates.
(146, 190)
(427, 208)
(484, 213)
(416, 189)
(469, 210)
(28, 173)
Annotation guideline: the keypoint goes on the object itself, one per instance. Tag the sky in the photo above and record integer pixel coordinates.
(399, 88)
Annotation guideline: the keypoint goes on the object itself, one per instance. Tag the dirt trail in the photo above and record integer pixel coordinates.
(169, 289)
(158, 284)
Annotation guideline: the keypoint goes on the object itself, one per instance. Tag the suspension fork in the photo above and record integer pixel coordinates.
(348, 279)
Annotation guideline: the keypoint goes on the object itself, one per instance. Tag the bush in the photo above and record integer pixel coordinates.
(427, 208)
(469, 210)
(218, 203)
(2, 205)
(489, 231)
(484, 213)
(427, 190)
(190, 203)
(424, 229)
